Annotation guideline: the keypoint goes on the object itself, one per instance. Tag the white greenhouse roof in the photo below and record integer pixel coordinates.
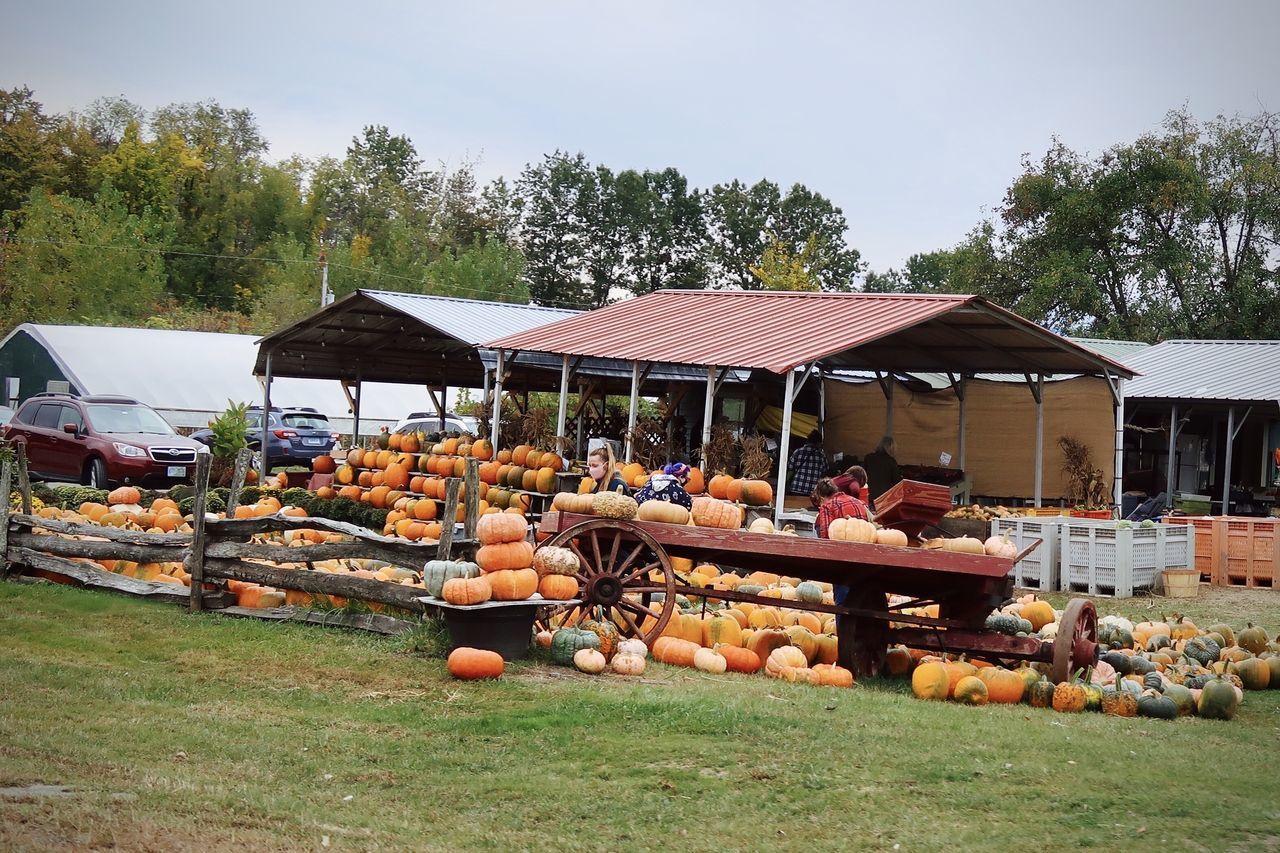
(195, 373)
(1219, 371)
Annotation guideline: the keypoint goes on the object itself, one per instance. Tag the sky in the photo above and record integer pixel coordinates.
(913, 117)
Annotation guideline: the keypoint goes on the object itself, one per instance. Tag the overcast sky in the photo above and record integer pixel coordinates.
(911, 117)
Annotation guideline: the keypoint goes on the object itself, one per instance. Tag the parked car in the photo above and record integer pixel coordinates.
(296, 437)
(100, 441)
(429, 422)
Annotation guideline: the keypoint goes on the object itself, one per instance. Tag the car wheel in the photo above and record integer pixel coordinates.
(95, 474)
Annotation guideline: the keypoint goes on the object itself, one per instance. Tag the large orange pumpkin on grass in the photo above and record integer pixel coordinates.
(469, 664)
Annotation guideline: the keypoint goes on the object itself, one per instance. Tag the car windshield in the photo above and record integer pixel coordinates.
(121, 418)
(308, 421)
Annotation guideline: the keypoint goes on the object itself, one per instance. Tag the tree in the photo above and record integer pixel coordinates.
(780, 269)
(663, 230)
(28, 148)
(569, 246)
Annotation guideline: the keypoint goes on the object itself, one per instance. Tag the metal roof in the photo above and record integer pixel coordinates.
(382, 336)
(1218, 371)
(778, 331)
(196, 373)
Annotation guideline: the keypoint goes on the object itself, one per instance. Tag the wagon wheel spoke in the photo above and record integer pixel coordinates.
(598, 565)
(641, 572)
(1075, 646)
(582, 559)
(635, 552)
(613, 553)
(633, 628)
(634, 607)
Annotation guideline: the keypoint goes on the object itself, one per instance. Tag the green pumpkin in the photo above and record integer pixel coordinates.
(1041, 694)
(1092, 697)
(436, 572)
(749, 588)
(1182, 698)
(1273, 664)
(809, 591)
(1253, 639)
(567, 641)
(607, 632)
(1119, 662)
(1158, 642)
(1003, 623)
(1202, 650)
(1120, 638)
(1157, 705)
(1225, 636)
(1218, 700)
(1139, 665)
(1153, 681)
(1130, 686)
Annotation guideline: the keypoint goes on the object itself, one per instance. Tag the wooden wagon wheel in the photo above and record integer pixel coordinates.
(1076, 645)
(616, 559)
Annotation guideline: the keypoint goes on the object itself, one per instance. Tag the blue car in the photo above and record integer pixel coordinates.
(295, 436)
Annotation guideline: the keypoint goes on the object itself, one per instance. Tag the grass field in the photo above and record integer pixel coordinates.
(179, 731)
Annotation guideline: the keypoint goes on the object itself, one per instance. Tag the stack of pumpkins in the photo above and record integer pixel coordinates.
(504, 560)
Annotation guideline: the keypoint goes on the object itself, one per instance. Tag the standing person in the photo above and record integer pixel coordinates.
(882, 468)
(833, 504)
(807, 465)
(602, 468)
(668, 486)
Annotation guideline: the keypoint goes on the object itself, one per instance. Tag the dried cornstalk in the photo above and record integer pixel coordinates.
(649, 444)
(1086, 486)
(535, 426)
(721, 451)
(757, 464)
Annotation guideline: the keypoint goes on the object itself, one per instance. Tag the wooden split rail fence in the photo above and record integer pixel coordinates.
(218, 550)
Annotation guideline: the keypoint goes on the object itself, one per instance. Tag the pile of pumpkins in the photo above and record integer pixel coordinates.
(505, 568)
(1165, 669)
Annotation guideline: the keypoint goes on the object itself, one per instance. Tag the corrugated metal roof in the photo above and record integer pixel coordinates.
(1120, 351)
(778, 331)
(1226, 371)
(471, 321)
(196, 373)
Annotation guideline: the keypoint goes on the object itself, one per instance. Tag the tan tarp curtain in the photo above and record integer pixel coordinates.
(1000, 431)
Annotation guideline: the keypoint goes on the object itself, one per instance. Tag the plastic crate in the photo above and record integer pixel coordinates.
(1101, 558)
(1206, 536)
(1250, 551)
(1039, 569)
(1043, 511)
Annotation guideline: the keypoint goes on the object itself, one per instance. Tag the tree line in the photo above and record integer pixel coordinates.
(176, 217)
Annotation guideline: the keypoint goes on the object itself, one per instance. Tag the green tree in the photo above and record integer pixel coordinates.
(663, 228)
(569, 245)
(781, 269)
(29, 148)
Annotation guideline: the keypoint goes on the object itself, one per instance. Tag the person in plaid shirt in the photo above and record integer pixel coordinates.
(835, 503)
(807, 465)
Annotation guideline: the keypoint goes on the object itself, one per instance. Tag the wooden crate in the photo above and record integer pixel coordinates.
(921, 496)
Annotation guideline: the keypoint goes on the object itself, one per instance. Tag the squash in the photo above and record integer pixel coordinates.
(558, 587)
(721, 630)
(513, 584)
(497, 528)
(632, 646)
(554, 560)
(761, 525)
(709, 660)
(628, 663)
(1119, 702)
(504, 555)
(1069, 697)
(663, 511)
(608, 634)
(971, 690)
(1253, 638)
(1152, 703)
(1000, 546)
(710, 512)
(890, 536)
(589, 661)
(1040, 694)
(566, 642)
(469, 664)
(852, 530)
(765, 640)
(613, 505)
(436, 572)
(1039, 613)
(808, 591)
(463, 590)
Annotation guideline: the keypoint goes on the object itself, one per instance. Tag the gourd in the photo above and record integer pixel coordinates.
(963, 545)
(710, 512)
(436, 572)
(628, 663)
(567, 641)
(662, 511)
(971, 690)
(890, 536)
(1000, 546)
(1119, 702)
(513, 584)
(852, 530)
(613, 505)
(709, 660)
(1069, 697)
(470, 664)
(467, 591)
(632, 646)
(1040, 694)
(500, 527)
(589, 661)
(1003, 623)
(554, 560)
(607, 633)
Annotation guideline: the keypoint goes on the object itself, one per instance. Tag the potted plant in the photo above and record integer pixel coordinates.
(228, 439)
(1087, 490)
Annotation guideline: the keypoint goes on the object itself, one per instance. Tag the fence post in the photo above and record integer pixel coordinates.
(243, 458)
(194, 563)
(450, 518)
(6, 477)
(24, 479)
(472, 511)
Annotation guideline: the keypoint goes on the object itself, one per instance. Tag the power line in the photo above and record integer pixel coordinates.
(453, 289)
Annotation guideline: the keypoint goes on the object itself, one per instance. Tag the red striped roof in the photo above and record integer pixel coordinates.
(778, 331)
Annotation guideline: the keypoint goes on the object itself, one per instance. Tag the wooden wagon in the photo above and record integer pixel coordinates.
(620, 560)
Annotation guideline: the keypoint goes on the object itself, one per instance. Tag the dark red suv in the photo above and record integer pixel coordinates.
(101, 441)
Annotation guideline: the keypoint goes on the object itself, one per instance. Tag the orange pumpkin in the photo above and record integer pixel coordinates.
(498, 528)
(675, 651)
(756, 493)
(739, 659)
(513, 584)
(467, 590)
(324, 464)
(469, 664)
(558, 587)
(710, 512)
(718, 486)
(831, 675)
(124, 495)
(505, 555)
(930, 681)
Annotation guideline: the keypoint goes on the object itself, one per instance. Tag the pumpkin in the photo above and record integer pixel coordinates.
(890, 536)
(898, 661)
(436, 572)
(1039, 613)
(1254, 673)
(963, 545)
(558, 587)
(674, 651)
(613, 505)
(930, 681)
(709, 660)
(632, 646)
(124, 495)
(830, 675)
(1000, 546)
(761, 525)
(513, 584)
(721, 630)
(1004, 687)
(1253, 638)
(505, 555)
(710, 512)
(628, 664)
(1119, 703)
(607, 632)
(971, 690)
(663, 511)
(469, 664)
(784, 656)
(1040, 694)
(756, 493)
(765, 640)
(1152, 703)
(501, 527)
(803, 639)
(566, 642)
(464, 590)
(739, 659)
(852, 530)
(589, 661)
(1069, 697)
(554, 560)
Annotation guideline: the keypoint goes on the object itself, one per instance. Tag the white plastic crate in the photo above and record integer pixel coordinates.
(1039, 569)
(1103, 559)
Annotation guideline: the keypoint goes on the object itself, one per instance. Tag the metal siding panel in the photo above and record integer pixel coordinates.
(468, 320)
(1245, 371)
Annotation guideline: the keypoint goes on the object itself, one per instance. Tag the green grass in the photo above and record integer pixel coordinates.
(179, 730)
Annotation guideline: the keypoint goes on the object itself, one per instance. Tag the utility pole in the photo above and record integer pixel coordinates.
(326, 295)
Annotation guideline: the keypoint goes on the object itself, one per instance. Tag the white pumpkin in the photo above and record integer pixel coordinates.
(632, 646)
(127, 509)
(590, 661)
(1000, 546)
(889, 536)
(625, 663)
(709, 660)
(761, 525)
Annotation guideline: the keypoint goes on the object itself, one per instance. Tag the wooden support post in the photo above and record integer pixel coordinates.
(6, 477)
(24, 480)
(243, 460)
(471, 513)
(194, 563)
(450, 518)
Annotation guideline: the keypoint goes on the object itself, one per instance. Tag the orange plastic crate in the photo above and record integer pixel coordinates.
(1206, 539)
(1234, 550)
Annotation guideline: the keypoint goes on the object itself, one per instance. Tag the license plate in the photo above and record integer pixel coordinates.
(313, 442)
(177, 471)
